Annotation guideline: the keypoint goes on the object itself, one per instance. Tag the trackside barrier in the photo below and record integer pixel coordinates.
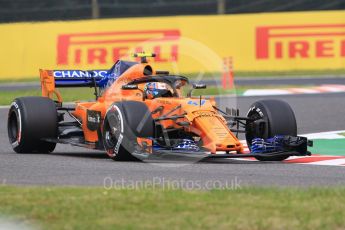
(258, 42)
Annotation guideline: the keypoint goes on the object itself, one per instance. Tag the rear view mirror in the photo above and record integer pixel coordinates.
(199, 86)
(196, 86)
(130, 87)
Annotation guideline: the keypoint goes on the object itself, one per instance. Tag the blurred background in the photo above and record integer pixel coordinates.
(38, 10)
(261, 47)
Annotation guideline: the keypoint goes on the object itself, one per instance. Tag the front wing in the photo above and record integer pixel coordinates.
(295, 148)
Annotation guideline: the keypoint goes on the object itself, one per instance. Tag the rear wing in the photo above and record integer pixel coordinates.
(52, 79)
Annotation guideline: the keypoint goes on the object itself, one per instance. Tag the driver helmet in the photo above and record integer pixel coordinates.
(157, 89)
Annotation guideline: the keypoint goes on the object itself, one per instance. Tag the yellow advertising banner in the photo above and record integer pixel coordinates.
(190, 44)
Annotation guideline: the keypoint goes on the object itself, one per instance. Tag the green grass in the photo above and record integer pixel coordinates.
(86, 94)
(314, 73)
(22, 79)
(239, 90)
(215, 91)
(329, 147)
(68, 94)
(239, 74)
(246, 208)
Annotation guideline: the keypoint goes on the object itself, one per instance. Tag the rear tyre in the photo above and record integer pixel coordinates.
(123, 124)
(277, 119)
(31, 119)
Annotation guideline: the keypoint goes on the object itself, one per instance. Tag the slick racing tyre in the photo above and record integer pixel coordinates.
(30, 120)
(123, 123)
(275, 117)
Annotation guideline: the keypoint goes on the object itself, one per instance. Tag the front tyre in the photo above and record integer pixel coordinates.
(30, 120)
(123, 124)
(273, 117)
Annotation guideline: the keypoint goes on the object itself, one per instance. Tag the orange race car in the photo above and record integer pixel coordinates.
(140, 112)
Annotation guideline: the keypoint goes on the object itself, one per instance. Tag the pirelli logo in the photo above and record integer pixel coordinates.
(107, 47)
(300, 41)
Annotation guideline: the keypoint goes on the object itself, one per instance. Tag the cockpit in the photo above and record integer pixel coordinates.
(162, 86)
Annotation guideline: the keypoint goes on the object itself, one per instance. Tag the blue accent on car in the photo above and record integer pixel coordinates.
(115, 72)
(196, 103)
(260, 145)
(184, 144)
(187, 144)
(102, 78)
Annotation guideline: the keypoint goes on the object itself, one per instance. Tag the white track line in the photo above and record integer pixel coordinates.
(310, 90)
(325, 135)
(335, 162)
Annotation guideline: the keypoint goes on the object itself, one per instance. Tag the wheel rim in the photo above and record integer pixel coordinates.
(251, 130)
(13, 128)
(112, 132)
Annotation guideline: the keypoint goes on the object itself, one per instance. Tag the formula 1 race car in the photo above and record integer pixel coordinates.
(142, 113)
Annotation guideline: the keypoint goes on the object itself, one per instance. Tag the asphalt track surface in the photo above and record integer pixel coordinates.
(77, 166)
(243, 81)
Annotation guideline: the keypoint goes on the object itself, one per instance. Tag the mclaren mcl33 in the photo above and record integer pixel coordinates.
(140, 112)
